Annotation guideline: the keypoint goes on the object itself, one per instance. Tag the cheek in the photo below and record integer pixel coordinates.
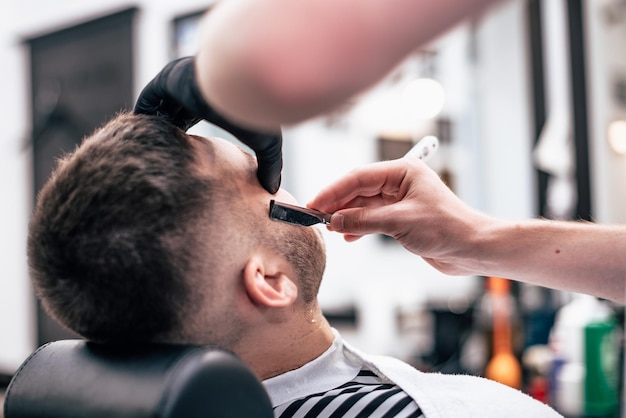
(258, 214)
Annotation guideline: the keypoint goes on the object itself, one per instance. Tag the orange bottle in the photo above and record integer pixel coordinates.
(503, 366)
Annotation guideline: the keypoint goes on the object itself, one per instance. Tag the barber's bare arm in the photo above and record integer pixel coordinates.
(265, 63)
(406, 200)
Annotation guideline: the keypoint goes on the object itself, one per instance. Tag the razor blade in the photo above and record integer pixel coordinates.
(297, 215)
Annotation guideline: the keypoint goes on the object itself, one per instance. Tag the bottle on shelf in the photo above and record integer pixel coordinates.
(585, 370)
(503, 367)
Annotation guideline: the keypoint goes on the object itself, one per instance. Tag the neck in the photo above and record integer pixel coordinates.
(287, 346)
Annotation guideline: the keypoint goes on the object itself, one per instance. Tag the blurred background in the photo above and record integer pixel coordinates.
(528, 102)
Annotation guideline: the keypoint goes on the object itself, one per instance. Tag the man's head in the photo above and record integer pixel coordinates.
(145, 233)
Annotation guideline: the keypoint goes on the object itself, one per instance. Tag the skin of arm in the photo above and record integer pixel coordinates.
(266, 63)
(407, 201)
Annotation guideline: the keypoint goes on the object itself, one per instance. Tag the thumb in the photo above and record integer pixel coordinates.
(361, 221)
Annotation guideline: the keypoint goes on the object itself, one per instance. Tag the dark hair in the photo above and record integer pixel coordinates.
(112, 238)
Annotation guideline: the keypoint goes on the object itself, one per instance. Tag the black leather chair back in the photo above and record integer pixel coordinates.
(74, 378)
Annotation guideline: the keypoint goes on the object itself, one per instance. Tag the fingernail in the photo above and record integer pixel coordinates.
(339, 221)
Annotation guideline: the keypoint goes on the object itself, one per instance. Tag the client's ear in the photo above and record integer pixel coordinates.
(267, 284)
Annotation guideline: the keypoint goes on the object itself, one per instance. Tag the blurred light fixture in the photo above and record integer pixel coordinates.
(617, 136)
(423, 97)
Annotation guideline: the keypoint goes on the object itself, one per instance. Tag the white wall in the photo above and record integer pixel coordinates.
(16, 304)
(606, 31)
(505, 125)
(492, 128)
(16, 315)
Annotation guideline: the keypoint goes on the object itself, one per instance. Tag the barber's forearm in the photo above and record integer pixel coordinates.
(579, 257)
(265, 63)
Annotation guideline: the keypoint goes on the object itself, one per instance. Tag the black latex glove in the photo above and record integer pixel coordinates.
(173, 94)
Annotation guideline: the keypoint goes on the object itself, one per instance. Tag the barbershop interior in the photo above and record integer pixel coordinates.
(527, 102)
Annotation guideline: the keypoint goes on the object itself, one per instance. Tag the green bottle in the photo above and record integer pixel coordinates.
(602, 368)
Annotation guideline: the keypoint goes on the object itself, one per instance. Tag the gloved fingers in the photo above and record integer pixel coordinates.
(270, 160)
(173, 95)
(160, 96)
(175, 113)
(270, 176)
(179, 116)
(149, 100)
(166, 108)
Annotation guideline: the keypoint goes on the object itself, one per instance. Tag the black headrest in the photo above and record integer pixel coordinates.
(74, 378)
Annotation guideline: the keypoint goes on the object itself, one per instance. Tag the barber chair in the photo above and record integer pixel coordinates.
(75, 378)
